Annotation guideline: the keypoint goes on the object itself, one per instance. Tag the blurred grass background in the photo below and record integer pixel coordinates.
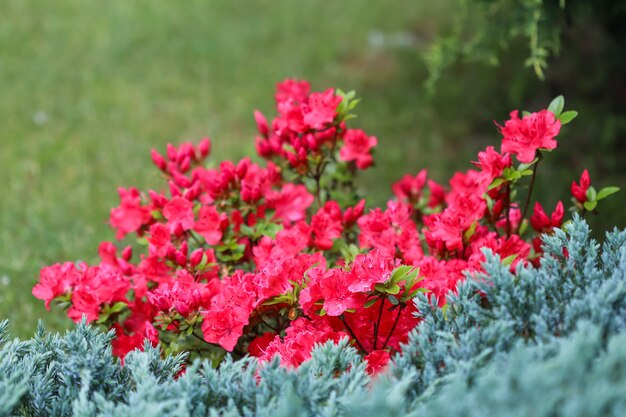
(87, 89)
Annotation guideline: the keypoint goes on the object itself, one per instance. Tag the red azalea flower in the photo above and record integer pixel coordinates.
(524, 137)
(55, 281)
(491, 164)
(544, 224)
(357, 147)
(326, 225)
(321, 109)
(210, 224)
(579, 191)
(409, 188)
(292, 89)
(377, 361)
(130, 216)
(179, 213)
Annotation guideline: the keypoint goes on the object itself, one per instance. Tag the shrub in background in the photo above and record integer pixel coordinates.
(267, 260)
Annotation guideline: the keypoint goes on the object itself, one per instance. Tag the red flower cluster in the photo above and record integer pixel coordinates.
(274, 259)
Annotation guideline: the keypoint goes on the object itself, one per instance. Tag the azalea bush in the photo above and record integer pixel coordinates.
(272, 259)
(547, 341)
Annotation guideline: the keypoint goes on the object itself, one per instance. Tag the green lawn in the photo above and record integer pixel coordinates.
(88, 88)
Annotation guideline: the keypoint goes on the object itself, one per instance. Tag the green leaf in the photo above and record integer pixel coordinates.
(117, 307)
(469, 232)
(394, 289)
(567, 116)
(400, 273)
(509, 260)
(523, 227)
(370, 303)
(557, 105)
(496, 183)
(393, 300)
(524, 166)
(605, 192)
(590, 205)
(591, 194)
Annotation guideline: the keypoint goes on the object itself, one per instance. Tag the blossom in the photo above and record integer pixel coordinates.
(179, 213)
(125, 343)
(320, 109)
(524, 137)
(377, 361)
(409, 188)
(542, 223)
(326, 225)
(492, 164)
(370, 269)
(579, 190)
(329, 286)
(357, 147)
(55, 281)
(159, 239)
(292, 89)
(210, 224)
(130, 216)
(299, 340)
(290, 202)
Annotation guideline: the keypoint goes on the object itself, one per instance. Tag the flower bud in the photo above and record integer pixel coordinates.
(261, 123)
(158, 160)
(196, 257)
(204, 147)
(174, 190)
(185, 164)
(172, 152)
(181, 180)
(180, 259)
(127, 253)
(184, 248)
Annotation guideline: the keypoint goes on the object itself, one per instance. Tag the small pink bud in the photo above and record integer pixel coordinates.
(204, 147)
(174, 190)
(172, 152)
(193, 192)
(262, 147)
(127, 253)
(184, 248)
(242, 168)
(181, 180)
(181, 259)
(196, 257)
(261, 123)
(185, 164)
(158, 160)
(157, 199)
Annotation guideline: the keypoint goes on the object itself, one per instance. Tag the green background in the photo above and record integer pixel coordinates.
(88, 88)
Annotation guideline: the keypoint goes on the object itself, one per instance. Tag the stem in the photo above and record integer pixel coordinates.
(269, 325)
(318, 190)
(393, 328)
(358, 343)
(193, 236)
(202, 339)
(532, 184)
(508, 210)
(377, 325)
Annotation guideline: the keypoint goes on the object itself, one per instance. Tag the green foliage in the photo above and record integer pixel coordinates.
(544, 342)
(485, 28)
